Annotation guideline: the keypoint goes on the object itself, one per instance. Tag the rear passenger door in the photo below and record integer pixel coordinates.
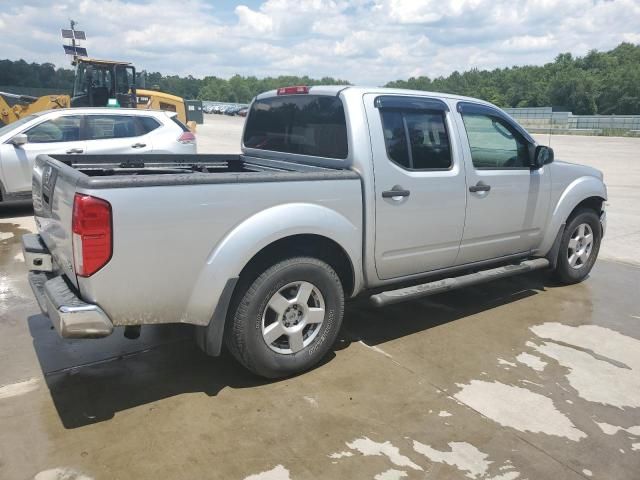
(420, 191)
(116, 134)
(508, 201)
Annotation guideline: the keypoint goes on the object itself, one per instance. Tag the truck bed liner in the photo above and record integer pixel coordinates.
(121, 171)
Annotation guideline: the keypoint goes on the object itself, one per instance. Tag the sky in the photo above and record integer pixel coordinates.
(368, 42)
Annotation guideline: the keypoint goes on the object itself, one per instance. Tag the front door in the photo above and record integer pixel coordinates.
(60, 135)
(419, 185)
(507, 201)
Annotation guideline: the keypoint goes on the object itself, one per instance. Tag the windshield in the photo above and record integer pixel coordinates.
(16, 125)
(100, 76)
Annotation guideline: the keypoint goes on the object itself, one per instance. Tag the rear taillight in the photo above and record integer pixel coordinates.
(293, 90)
(187, 137)
(92, 234)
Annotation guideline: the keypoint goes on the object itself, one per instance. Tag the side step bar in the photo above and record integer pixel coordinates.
(439, 286)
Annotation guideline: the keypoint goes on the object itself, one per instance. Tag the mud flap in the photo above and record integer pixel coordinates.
(209, 337)
(552, 256)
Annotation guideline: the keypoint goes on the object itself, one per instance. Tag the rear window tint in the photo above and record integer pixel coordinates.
(303, 124)
(148, 124)
(101, 127)
(424, 131)
(179, 123)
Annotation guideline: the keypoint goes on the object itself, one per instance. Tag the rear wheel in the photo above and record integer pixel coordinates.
(287, 319)
(579, 247)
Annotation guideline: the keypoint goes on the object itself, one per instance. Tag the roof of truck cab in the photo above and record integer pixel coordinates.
(350, 89)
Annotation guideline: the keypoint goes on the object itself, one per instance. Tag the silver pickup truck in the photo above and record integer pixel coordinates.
(339, 192)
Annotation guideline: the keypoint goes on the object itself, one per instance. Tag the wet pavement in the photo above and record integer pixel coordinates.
(515, 379)
(511, 380)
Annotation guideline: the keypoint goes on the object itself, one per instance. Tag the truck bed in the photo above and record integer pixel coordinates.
(176, 243)
(120, 171)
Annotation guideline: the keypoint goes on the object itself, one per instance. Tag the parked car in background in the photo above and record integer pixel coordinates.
(85, 131)
(226, 109)
(232, 110)
(339, 191)
(243, 111)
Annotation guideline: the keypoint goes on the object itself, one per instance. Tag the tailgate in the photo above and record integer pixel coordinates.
(54, 187)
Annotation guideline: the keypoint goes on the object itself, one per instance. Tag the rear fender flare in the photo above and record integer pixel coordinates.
(244, 241)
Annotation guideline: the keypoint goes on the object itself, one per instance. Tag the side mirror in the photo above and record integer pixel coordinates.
(19, 139)
(543, 156)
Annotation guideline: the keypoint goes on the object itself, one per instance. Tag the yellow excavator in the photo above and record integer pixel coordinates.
(97, 83)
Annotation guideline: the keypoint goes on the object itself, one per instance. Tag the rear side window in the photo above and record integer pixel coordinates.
(416, 140)
(303, 124)
(179, 123)
(148, 124)
(100, 127)
(61, 129)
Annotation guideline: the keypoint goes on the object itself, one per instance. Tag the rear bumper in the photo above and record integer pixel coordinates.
(71, 316)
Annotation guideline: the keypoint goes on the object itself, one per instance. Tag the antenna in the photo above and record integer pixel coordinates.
(550, 126)
(74, 35)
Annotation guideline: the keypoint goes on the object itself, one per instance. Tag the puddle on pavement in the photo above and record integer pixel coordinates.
(12, 268)
(603, 365)
(518, 408)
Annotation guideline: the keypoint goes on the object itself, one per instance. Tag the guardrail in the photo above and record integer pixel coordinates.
(545, 120)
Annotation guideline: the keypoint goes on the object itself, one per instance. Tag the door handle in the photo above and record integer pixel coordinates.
(138, 145)
(396, 193)
(480, 187)
(75, 150)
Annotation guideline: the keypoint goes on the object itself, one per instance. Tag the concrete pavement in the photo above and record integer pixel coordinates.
(509, 380)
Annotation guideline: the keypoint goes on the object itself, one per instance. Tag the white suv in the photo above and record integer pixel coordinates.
(85, 131)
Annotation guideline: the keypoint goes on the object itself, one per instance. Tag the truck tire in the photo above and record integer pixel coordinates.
(579, 247)
(287, 319)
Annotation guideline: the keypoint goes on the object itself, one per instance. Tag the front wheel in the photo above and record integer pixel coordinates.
(288, 318)
(579, 247)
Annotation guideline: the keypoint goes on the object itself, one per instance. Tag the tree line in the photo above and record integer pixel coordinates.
(38, 75)
(599, 82)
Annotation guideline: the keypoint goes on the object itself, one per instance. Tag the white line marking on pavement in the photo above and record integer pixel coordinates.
(20, 388)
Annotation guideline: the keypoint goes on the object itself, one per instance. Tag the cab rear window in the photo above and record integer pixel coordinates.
(301, 124)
